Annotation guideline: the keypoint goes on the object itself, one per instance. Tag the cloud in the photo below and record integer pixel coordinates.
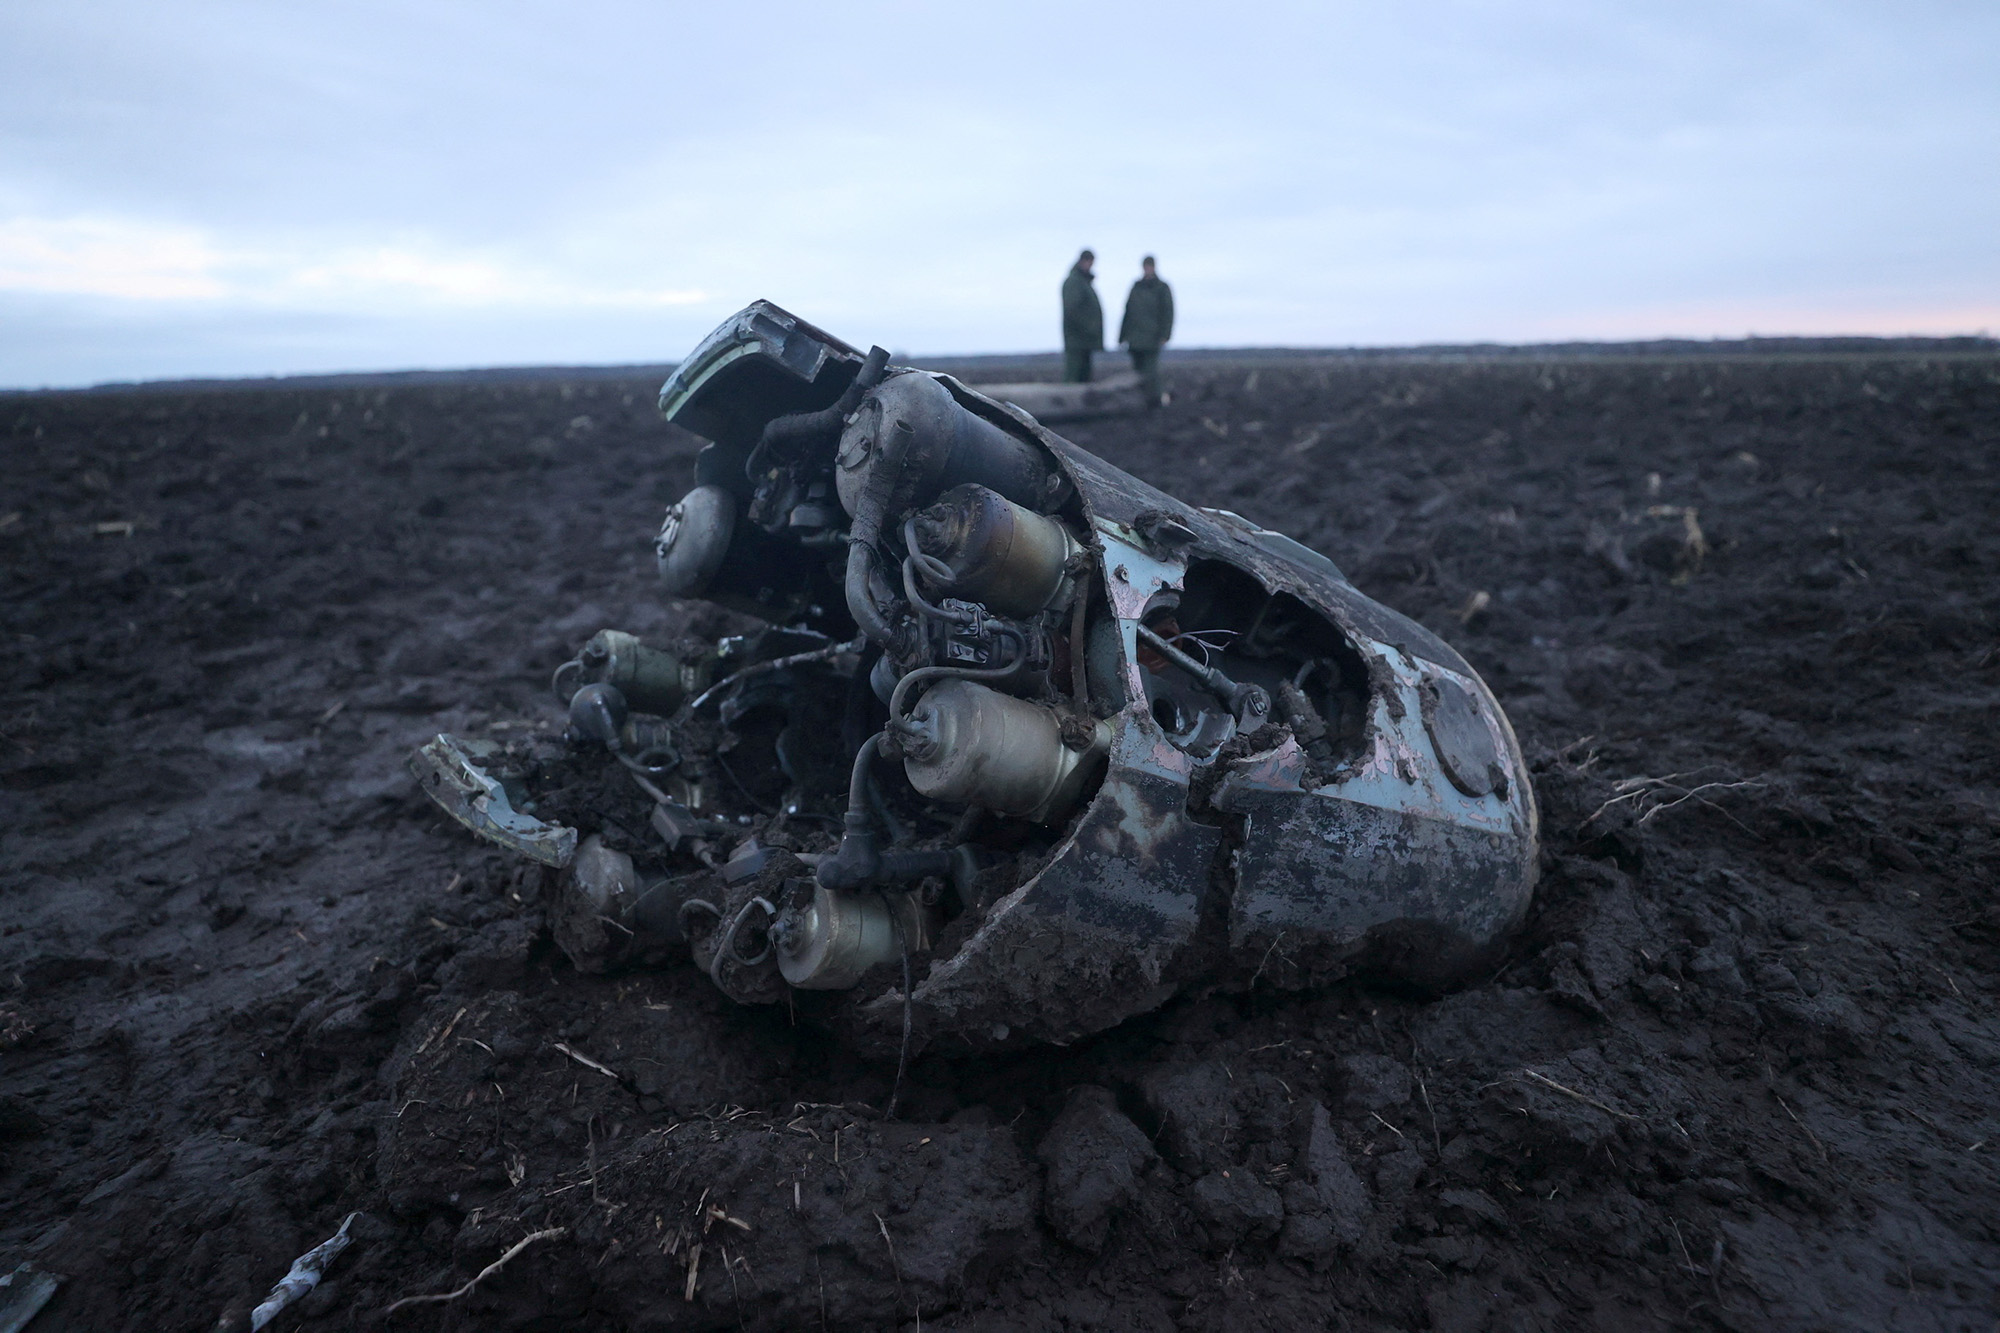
(398, 274)
(149, 262)
(220, 186)
(135, 261)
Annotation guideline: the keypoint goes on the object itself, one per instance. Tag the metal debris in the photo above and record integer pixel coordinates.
(23, 1293)
(305, 1274)
(1016, 713)
(452, 776)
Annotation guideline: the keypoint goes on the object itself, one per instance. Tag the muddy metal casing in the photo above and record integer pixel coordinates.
(1391, 867)
(1413, 860)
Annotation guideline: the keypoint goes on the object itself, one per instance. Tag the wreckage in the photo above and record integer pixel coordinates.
(1022, 745)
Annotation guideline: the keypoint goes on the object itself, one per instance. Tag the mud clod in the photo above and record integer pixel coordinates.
(1095, 1157)
(1195, 1106)
(1327, 1207)
(1370, 1083)
(1237, 1208)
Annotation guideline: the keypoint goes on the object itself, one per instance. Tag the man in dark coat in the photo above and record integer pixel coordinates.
(1148, 323)
(1083, 321)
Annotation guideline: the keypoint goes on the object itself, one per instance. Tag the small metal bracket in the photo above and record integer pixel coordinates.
(453, 778)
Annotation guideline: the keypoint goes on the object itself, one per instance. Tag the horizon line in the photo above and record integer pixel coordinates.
(1811, 344)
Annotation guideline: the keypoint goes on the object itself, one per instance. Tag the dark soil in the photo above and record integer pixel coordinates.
(1740, 1069)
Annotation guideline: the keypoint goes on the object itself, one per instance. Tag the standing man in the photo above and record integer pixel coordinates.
(1083, 321)
(1148, 323)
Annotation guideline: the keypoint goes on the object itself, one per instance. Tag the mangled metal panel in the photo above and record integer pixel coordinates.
(454, 773)
(1029, 745)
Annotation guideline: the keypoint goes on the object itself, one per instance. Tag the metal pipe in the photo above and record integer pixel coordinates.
(1249, 702)
(761, 668)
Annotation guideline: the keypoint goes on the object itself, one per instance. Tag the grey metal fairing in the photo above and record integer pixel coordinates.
(1094, 938)
(761, 362)
(1235, 849)
(1388, 864)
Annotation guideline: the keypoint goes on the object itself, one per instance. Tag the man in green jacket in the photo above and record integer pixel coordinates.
(1083, 321)
(1148, 323)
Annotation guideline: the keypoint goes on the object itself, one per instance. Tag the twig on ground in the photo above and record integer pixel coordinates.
(587, 1062)
(1437, 1139)
(442, 1034)
(1583, 743)
(591, 1127)
(1802, 1125)
(1651, 796)
(1686, 1258)
(717, 1213)
(895, 1264)
(1275, 941)
(1550, 1083)
(441, 1298)
(729, 1271)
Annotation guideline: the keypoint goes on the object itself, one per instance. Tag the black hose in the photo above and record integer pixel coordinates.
(859, 857)
(932, 568)
(695, 904)
(725, 948)
(866, 530)
(878, 804)
(858, 713)
(857, 777)
(803, 426)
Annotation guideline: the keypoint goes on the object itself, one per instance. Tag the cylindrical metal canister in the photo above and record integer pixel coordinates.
(837, 936)
(1000, 553)
(949, 446)
(651, 679)
(693, 540)
(969, 745)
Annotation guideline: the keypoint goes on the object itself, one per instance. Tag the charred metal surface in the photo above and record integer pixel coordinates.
(1118, 497)
(1092, 939)
(1363, 873)
(1185, 747)
(760, 364)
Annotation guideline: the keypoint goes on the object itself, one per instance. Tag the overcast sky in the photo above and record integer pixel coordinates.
(192, 187)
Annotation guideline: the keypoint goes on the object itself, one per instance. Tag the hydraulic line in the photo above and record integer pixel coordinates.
(802, 426)
(1242, 699)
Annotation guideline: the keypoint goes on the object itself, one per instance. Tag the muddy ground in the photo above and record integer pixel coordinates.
(1740, 1070)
